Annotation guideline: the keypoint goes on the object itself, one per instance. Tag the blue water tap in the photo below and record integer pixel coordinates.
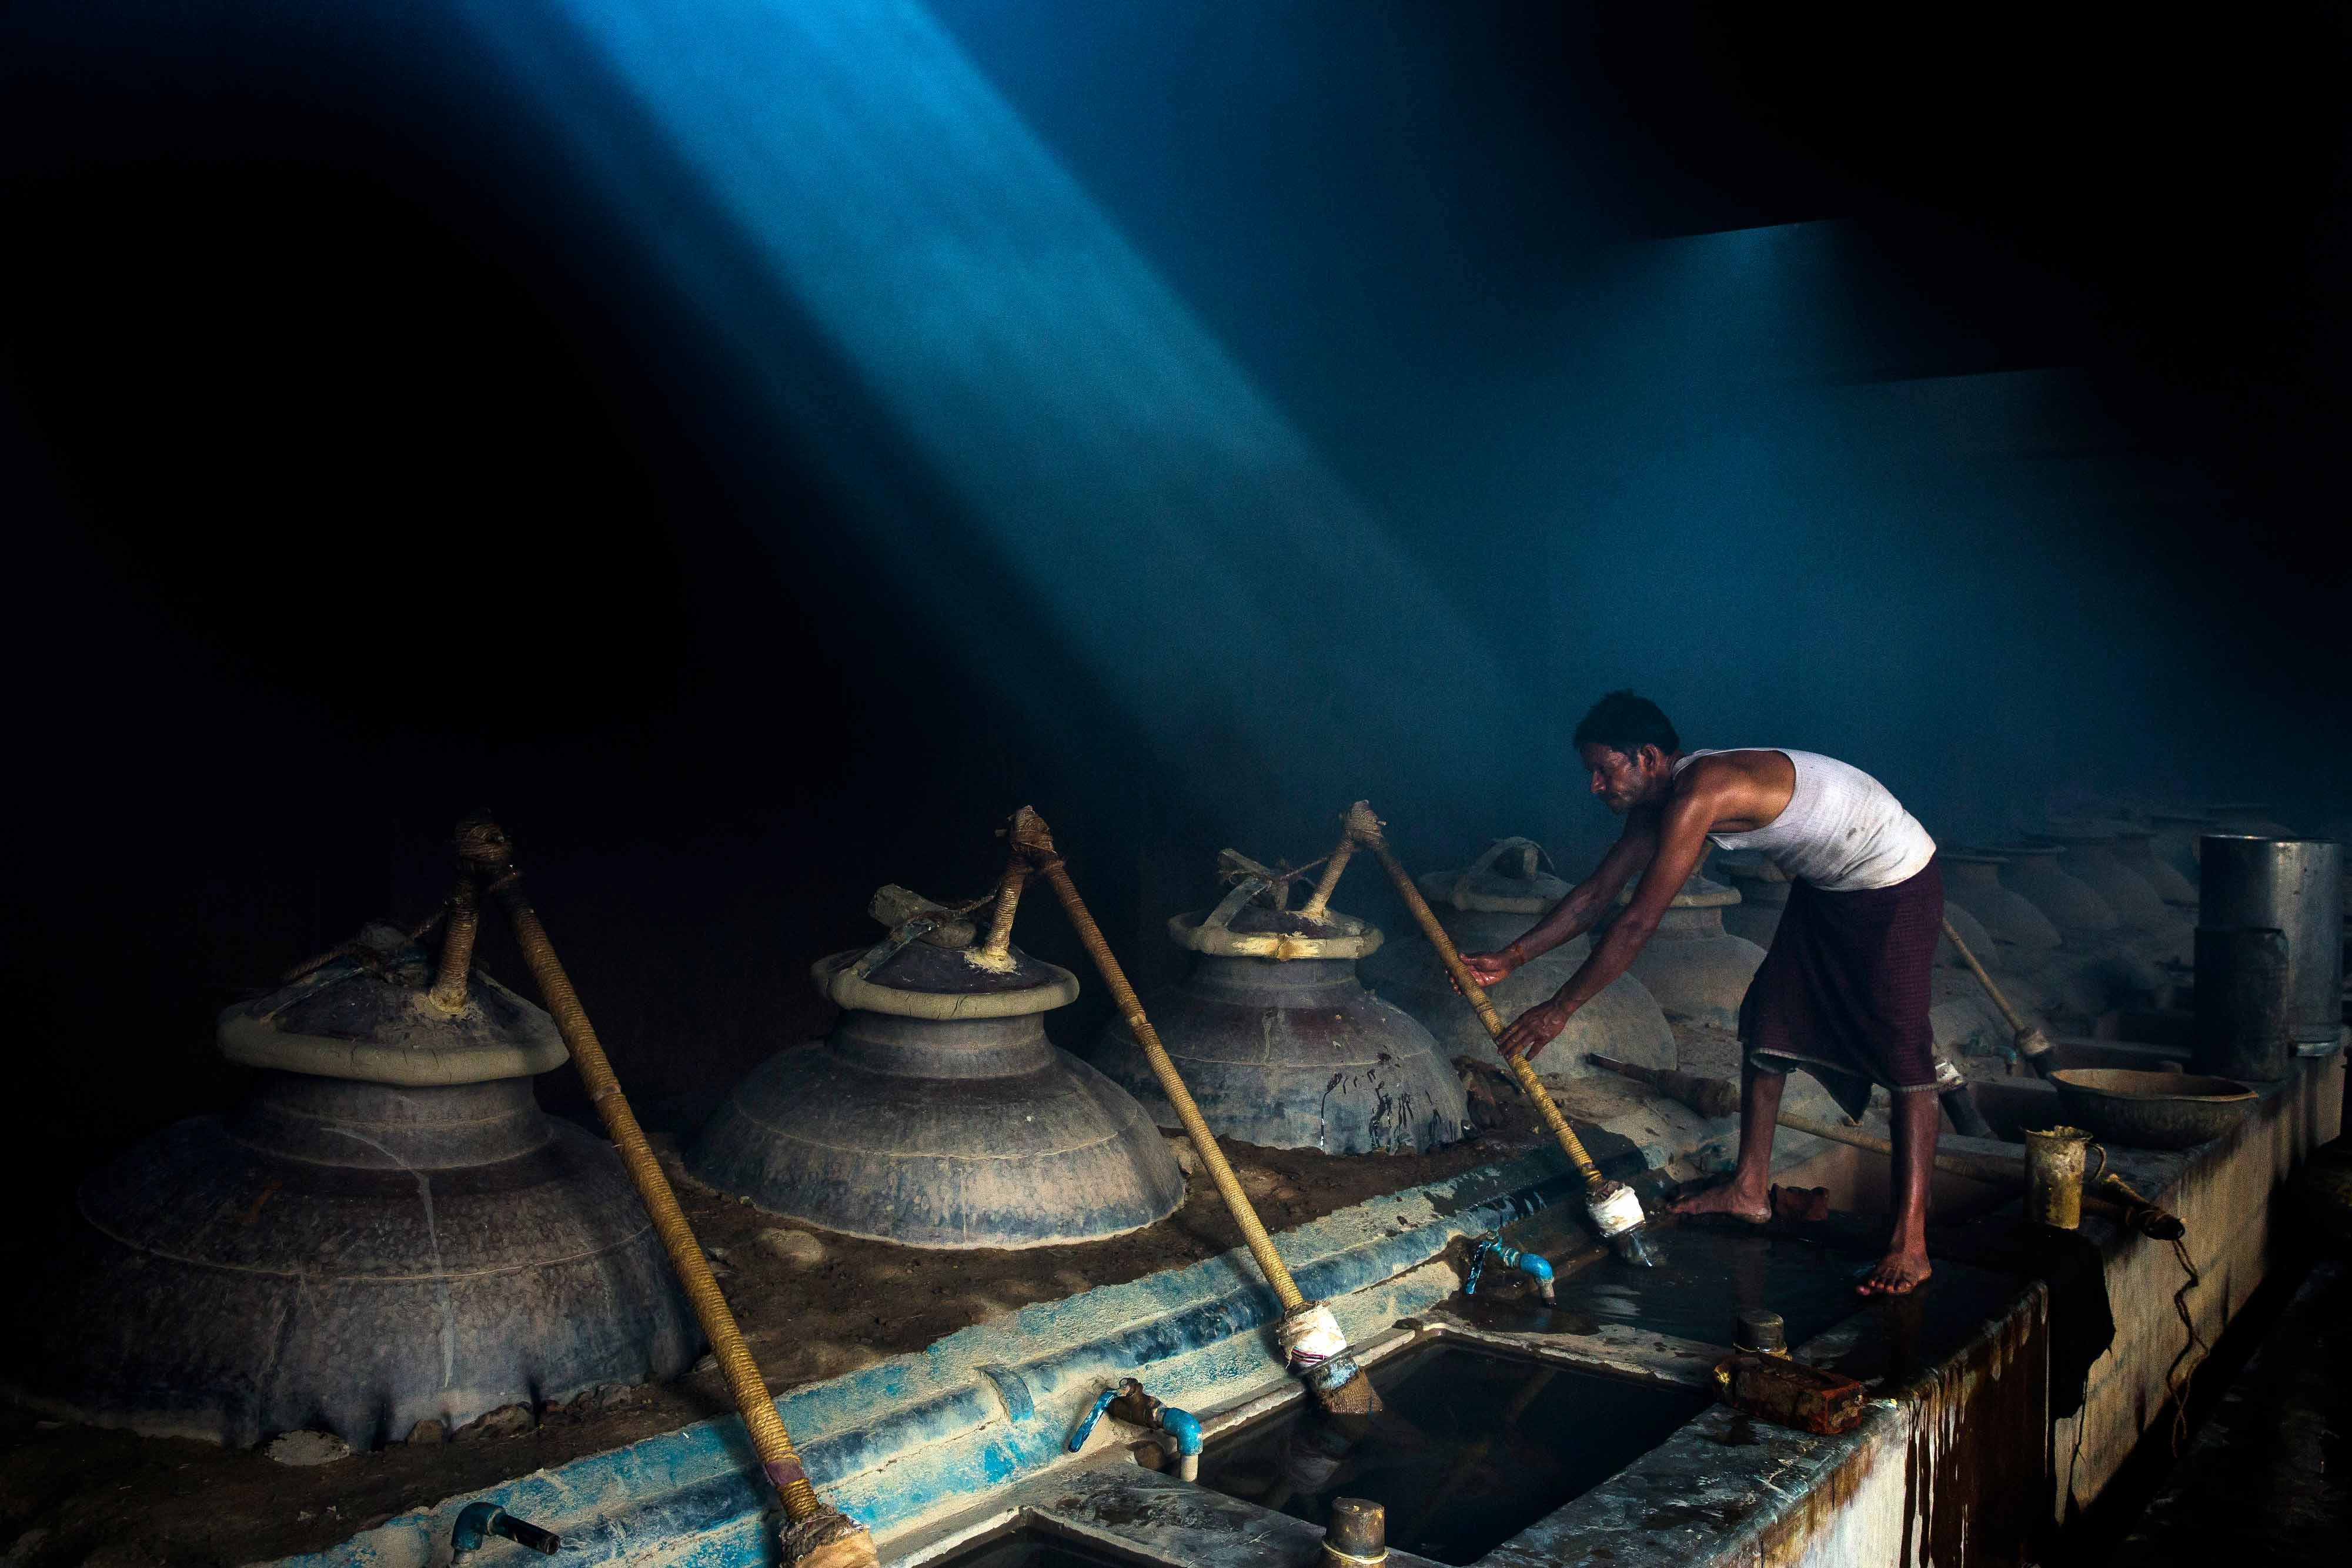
(478, 1521)
(1140, 1408)
(1086, 1427)
(1508, 1256)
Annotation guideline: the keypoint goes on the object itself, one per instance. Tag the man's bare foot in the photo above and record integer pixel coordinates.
(1729, 1198)
(1898, 1273)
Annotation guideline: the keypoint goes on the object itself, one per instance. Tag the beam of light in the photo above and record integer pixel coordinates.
(1181, 534)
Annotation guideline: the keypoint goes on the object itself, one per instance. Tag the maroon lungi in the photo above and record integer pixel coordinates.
(1843, 992)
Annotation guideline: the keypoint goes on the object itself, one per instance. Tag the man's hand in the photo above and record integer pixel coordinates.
(1491, 969)
(1535, 1028)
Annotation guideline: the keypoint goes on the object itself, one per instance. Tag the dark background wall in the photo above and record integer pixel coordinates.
(1961, 396)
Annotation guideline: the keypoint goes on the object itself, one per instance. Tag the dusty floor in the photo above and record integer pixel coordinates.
(811, 1304)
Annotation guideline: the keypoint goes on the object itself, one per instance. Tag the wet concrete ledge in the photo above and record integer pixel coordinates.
(2227, 1192)
(936, 1430)
(1945, 1467)
(943, 1445)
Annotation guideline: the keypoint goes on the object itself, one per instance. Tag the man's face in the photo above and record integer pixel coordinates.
(1621, 781)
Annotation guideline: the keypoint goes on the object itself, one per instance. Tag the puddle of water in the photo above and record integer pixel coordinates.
(1472, 1450)
(1703, 1280)
(1705, 1277)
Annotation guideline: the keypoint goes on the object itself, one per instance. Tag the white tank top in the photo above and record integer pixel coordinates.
(1841, 830)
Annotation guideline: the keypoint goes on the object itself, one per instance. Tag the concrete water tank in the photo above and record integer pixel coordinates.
(1484, 907)
(937, 1114)
(389, 1231)
(1279, 1041)
(1697, 969)
(2297, 887)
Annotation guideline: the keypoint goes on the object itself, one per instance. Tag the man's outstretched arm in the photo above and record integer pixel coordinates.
(1680, 842)
(1574, 916)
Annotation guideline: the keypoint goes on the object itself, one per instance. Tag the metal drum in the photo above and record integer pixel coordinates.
(390, 1231)
(1280, 1042)
(2295, 885)
(1697, 969)
(937, 1114)
(2249, 819)
(1483, 908)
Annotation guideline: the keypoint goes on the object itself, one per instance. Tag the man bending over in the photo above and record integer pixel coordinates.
(1843, 991)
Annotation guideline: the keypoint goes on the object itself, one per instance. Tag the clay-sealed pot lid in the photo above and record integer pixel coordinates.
(941, 972)
(366, 1014)
(1252, 922)
(1513, 877)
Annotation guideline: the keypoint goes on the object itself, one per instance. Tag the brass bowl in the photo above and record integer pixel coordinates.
(2150, 1110)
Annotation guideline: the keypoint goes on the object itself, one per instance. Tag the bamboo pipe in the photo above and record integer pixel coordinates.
(1310, 1337)
(1366, 829)
(817, 1535)
(2032, 1043)
(1320, 901)
(998, 948)
(464, 921)
(1710, 1097)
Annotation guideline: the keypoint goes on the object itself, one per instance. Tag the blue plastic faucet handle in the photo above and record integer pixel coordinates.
(478, 1521)
(1086, 1427)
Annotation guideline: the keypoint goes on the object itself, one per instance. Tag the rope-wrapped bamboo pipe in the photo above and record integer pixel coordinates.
(816, 1535)
(1310, 1337)
(2032, 1043)
(998, 947)
(465, 920)
(1602, 1194)
(1320, 900)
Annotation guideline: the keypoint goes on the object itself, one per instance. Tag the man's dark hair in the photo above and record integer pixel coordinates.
(1624, 722)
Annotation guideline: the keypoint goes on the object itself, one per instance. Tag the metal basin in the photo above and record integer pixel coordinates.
(2150, 1110)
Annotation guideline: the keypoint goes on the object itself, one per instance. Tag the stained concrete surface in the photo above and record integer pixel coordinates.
(2269, 1478)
